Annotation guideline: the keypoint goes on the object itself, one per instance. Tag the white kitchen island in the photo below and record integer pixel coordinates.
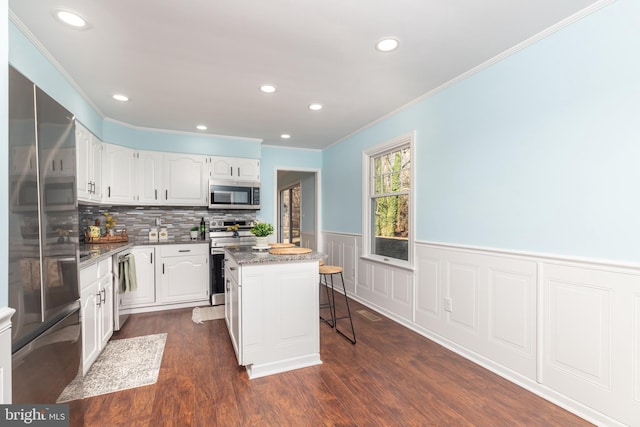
(272, 310)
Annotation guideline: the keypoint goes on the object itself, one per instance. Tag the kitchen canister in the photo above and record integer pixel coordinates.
(153, 234)
(163, 235)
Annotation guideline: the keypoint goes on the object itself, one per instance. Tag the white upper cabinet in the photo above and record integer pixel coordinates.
(88, 165)
(120, 175)
(234, 168)
(184, 178)
(149, 177)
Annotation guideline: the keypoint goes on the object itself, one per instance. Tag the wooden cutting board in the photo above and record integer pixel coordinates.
(282, 245)
(289, 251)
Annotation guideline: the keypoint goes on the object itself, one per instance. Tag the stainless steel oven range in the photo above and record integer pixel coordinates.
(224, 233)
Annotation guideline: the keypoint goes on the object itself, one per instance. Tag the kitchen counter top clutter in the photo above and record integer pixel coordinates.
(247, 255)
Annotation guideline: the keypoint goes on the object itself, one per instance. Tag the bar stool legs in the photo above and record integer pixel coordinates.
(327, 272)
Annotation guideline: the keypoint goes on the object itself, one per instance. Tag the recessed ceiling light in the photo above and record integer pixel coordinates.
(71, 18)
(201, 127)
(387, 44)
(285, 136)
(315, 107)
(120, 97)
(268, 88)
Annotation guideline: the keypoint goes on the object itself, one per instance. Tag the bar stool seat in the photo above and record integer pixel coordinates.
(327, 273)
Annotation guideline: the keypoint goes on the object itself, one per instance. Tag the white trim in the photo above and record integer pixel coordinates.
(282, 147)
(5, 318)
(535, 256)
(318, 196)
(47, 55)
(488, 63)
(367, 155)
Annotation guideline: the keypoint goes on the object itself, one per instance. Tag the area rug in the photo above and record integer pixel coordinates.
(123, 364)
(201, 314)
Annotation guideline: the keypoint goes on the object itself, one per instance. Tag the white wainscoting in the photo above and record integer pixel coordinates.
(566, 329)
(308, 240)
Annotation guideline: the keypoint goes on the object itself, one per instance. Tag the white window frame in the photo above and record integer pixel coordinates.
(367, 190)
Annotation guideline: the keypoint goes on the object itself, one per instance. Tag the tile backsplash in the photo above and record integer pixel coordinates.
(138, 220)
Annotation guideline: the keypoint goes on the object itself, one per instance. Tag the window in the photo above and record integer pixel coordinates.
(388, 204)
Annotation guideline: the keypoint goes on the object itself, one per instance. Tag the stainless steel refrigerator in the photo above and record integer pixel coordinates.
(43, 245)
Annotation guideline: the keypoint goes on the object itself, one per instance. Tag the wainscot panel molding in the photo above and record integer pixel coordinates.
(341, 250)
(567, 329)
(308, 240)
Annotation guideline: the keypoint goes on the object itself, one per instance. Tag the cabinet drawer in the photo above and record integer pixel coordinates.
(184, 250)
(231, 267)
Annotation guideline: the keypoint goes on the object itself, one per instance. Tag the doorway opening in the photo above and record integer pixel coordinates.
(290, 215)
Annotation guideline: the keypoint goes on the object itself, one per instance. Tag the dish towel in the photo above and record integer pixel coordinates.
(127, 272)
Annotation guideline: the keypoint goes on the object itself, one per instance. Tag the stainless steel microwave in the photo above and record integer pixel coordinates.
(234, 194)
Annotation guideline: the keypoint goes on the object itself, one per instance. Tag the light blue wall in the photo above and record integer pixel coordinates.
(274, 158)
(27, 59)
(4, 156)
(148, 139)
(24, 56)
(538, 152)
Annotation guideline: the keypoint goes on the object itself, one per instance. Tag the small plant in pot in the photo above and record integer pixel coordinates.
(262, 230)
(194, 232)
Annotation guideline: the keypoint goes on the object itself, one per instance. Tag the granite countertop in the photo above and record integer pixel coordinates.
(93, 253)
(246, 255)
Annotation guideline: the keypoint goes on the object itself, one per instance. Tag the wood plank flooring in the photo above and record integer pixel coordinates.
(391, 377)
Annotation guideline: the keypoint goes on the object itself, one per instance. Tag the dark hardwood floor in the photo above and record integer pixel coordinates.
(391, 377)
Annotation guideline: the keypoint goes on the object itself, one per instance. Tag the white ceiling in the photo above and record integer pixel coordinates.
(202, 61)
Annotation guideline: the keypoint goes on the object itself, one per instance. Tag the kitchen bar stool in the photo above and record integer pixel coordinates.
(327, 272)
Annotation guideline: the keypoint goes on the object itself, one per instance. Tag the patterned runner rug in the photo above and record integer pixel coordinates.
(123, 364)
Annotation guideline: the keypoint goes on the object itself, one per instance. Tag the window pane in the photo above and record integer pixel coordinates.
(390, 220)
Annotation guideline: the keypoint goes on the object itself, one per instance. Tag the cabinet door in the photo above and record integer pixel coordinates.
(149, 177)
(235, 304)
(185, 278)
(90, 298)
(96, 168)
(106, 309)
(83, 162)
(145, 294)
(221, 168)
(234, 168)
(119, 174)
(184, 178)
(248, 169)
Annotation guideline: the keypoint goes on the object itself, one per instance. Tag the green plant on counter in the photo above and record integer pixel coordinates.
(262, 229)
(195, 228)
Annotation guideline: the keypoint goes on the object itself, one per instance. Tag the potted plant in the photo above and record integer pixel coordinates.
(194, 232)
(262, 230)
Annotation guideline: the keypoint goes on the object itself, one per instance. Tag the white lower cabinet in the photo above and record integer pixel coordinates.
(272, 315)
(145, 294)
(96, 283)
(184, 273)
(169, 276)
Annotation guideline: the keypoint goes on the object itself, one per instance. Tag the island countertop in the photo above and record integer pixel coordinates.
(247, 255)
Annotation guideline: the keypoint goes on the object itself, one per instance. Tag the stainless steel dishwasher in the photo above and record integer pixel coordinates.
(118, 318)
